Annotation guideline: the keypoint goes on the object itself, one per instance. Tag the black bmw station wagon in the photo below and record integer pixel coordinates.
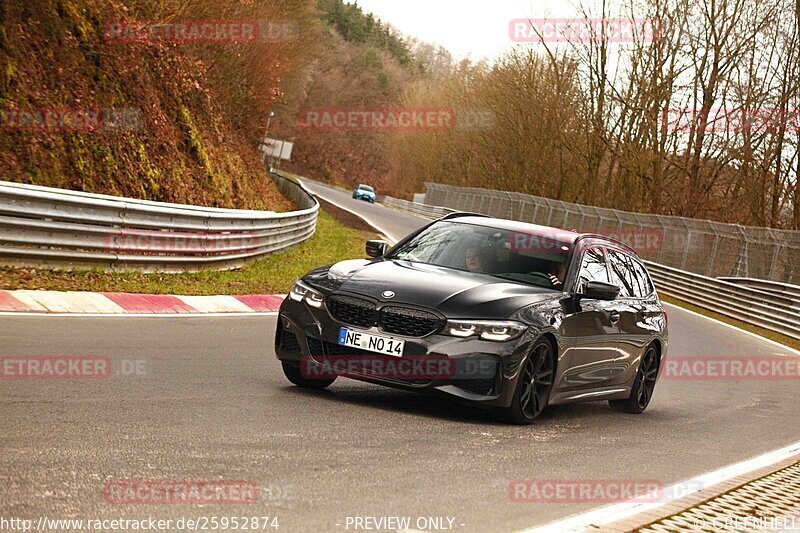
(504, 314)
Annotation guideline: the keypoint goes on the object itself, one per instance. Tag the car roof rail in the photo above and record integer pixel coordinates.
(459, 214)
(606, 238)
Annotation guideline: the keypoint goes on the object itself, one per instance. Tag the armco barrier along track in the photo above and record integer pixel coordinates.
(427, 211)
(749, 305)
(42, 226)
(770, 305)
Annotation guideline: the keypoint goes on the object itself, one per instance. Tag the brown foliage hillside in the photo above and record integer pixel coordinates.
(195, 109)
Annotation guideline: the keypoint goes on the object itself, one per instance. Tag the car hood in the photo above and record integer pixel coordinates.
(455, 293)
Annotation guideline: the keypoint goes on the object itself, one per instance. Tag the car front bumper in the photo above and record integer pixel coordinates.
(479, 371)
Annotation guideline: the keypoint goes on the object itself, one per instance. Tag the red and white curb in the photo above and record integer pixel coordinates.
(118, 303)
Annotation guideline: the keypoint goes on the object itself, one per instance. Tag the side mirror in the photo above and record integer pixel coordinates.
(599, 290)
(376, 248)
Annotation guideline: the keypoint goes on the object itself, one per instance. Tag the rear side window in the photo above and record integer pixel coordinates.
(644, 285)
(593, 267)
(621, 274)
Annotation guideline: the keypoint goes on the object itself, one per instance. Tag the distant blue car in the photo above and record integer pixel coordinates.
(364, 192)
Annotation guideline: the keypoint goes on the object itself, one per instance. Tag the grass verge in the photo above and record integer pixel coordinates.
(772, 335)
(332, 242)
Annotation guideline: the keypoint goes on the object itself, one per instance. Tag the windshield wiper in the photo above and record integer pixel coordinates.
(531, 283)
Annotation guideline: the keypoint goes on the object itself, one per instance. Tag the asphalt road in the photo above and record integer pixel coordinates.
(204, 398)
(393, 224)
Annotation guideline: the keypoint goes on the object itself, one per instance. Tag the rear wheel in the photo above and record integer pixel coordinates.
(643, 385)
(293, 374)
(534, 384)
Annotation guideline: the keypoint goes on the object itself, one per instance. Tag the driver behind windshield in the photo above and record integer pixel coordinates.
(487, 250)
(556, 274)
(473, 259)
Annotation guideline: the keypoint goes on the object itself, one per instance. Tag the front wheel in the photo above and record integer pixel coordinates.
(293, 374)
(534, 385)
(643, 385)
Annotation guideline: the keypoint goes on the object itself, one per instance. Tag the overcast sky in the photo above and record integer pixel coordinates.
(475, 28)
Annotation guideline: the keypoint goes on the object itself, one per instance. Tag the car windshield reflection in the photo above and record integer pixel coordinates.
(528, 258)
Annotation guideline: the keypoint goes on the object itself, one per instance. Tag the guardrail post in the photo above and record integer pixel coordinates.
(535, 218)
(774, 263)
(663, 238)
(686, 248)
(712, 256)
(742, 259)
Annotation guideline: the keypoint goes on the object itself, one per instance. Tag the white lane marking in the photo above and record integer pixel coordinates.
(212, 304)
(620, 511)
(740, 330)
(27, 299)
(66, 302)
(89, 304)
(138, 315)
(388, 234)
(92, 302)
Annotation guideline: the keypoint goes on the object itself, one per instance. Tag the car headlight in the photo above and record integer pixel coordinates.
(490, 330)
(302, 292)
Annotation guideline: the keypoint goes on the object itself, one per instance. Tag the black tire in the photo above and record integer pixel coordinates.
(293, 374)
(644, 385)
(534, 385)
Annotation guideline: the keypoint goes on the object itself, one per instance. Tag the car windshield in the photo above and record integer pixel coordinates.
(366, 188)
(519, 256)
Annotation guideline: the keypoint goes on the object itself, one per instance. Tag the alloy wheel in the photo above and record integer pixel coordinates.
(537, 380)
(648, 371)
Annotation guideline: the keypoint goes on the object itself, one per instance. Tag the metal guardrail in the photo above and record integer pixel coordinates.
(750, 305)
(752, 301)
(775, 287)
(43, 226)
(423, 210)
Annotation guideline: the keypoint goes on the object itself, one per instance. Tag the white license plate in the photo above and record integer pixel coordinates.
(373, 343)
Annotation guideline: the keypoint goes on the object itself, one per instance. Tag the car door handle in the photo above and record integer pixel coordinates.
(613, 316)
